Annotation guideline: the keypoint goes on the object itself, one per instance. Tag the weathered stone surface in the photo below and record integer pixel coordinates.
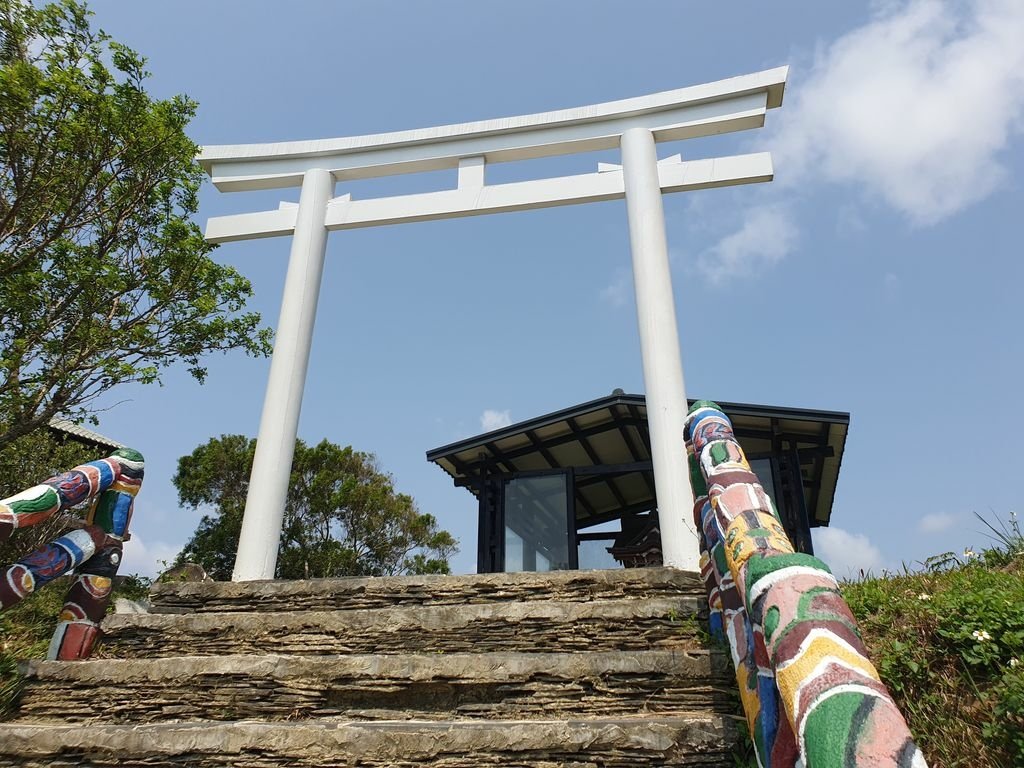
(413, 686)
(384, 592)
(539, 626)
(598, 669)
(686, 739)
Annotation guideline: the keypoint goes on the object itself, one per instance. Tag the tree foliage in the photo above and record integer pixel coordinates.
(343, 516)
(104, 279)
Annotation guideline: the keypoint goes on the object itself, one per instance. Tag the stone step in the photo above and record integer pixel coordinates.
(535, 627)
(379, 687)
(694, 740)
(389, 591)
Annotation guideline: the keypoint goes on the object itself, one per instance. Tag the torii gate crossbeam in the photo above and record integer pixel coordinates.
(633, 125)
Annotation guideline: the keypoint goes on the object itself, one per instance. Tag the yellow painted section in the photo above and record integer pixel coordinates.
(748, 696)
(132, 489)
(740, 545)
(818, 650)
(100, 583)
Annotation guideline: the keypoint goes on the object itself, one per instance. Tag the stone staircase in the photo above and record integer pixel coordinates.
(589, 669)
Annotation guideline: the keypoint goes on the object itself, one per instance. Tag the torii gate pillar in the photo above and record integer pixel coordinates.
(659, 348)
(279, 423)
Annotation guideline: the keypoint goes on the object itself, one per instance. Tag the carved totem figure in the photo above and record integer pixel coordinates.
(92, 551)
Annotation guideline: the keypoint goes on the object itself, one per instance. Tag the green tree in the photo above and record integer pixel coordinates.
(343, 516)
(104, 279)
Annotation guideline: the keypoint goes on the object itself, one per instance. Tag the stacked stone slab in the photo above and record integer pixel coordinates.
(574, 668)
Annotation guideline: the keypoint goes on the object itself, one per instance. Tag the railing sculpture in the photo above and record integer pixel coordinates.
(808, 690)
(93, 551)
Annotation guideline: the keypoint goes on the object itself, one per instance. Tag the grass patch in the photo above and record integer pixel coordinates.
(949, 644)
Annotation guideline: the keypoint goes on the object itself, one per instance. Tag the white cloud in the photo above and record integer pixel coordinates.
(936, 522)
(617, 293)
(490, 420)
(766, 235)
(145, 559)
(847, 554)
(914, 107)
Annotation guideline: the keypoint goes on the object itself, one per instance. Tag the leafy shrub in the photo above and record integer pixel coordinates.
(984, 621)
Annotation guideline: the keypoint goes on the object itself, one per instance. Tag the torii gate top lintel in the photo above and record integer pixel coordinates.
(735, 103)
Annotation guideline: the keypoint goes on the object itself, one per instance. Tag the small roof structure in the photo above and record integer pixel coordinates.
(612, 432)
(78, 433)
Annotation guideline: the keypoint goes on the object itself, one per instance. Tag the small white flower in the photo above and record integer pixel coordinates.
(924, 596)
(969, 553)
(1014, 662)
(981, 636)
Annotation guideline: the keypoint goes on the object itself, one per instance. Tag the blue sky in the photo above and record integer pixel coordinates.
(879, 274)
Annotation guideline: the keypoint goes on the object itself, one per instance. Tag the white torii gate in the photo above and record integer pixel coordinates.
(634, 124)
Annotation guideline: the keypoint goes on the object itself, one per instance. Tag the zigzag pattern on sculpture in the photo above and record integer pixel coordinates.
(807, 686)
(92, 551)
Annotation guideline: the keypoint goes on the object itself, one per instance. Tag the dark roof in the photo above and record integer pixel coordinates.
(613, 431)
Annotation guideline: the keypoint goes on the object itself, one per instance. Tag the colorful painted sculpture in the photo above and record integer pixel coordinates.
(809, 691)
(92, 551)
